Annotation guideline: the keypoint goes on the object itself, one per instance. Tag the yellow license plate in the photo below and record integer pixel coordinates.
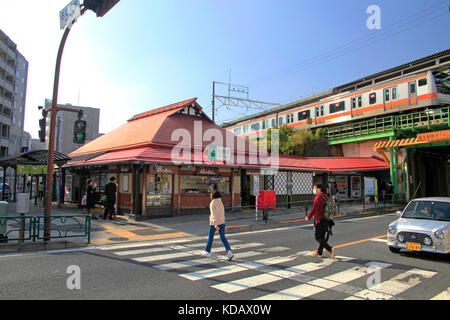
(413, 246)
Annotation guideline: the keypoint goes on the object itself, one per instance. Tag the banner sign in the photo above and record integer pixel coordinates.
(31, 170)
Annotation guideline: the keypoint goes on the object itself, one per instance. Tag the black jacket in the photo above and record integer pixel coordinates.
(110, 192)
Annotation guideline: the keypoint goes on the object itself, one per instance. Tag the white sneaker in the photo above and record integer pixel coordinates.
(206, 254)
(230, 255)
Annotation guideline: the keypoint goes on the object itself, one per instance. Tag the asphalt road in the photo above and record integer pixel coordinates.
(269, 264)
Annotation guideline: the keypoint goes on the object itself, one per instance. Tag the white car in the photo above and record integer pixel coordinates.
(424, 225)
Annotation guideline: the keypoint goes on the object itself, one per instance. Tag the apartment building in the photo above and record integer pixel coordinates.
(13, 88)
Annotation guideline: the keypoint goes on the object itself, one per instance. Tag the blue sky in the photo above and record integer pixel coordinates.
(145, 54)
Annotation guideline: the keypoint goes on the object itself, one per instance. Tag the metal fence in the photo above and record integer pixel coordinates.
(26, 228)
(305, 206)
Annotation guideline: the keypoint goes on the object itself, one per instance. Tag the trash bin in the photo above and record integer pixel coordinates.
(3, 222)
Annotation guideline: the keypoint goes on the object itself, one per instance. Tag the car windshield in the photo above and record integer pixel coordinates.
(430, 210)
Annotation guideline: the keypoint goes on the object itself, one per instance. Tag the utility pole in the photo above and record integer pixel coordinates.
(232, 100)
(100, 7)
(213, 101)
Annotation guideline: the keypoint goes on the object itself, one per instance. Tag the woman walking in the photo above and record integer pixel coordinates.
(217, 222)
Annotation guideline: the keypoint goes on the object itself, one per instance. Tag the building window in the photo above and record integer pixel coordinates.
(303, 115)
(373, 98)
(336, 107)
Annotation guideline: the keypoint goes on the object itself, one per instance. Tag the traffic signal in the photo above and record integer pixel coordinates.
(100, 7)
(42, 124)
(79, 132)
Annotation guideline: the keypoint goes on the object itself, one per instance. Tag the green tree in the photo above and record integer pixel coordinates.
(293, 142)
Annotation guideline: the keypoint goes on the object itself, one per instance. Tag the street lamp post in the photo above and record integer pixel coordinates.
(100, 7)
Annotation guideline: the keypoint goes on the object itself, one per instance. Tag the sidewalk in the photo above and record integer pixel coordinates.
(126, 228)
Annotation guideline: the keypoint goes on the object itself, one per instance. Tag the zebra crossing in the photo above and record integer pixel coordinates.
(257, 266)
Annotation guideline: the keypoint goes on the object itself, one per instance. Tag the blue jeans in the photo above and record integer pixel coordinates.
(212, 231)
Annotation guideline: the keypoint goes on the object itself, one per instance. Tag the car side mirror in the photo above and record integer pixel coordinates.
(398, 213)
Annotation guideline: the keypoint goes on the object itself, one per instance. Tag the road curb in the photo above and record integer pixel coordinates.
(40, 246)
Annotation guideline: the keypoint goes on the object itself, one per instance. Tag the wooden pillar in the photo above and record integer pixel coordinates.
(179, 191)
(144, 190)
(118, 192)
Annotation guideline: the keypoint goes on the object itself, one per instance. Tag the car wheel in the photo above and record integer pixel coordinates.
(394, 250)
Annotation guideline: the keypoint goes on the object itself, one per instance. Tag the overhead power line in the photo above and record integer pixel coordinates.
(402, 25)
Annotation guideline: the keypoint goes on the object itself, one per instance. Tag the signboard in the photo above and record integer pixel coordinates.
(163, 170)
(207, 171)
(255, 185)
(218, 153)
(369, 186)
(436, 136)
(31, 170)
(69, 14)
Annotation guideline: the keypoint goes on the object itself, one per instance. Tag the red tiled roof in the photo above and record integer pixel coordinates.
(173, 107)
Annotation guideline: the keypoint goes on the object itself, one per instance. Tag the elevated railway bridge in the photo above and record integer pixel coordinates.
(416, 146)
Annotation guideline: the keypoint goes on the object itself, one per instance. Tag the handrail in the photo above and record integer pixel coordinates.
(32, 228)
(413, 121)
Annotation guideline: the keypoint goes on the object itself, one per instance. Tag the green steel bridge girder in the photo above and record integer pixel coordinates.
(363, 138)
(406, 125)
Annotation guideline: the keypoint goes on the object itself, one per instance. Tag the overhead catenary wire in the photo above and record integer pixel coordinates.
(356, 43)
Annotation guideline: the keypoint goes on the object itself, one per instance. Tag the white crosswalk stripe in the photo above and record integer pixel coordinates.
(183, 256)
(319, 285)
(389, 289)
(444, 295)
(215, 272)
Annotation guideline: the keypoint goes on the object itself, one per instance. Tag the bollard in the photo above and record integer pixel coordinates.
(3, 224)
(265, 214)
(22, 207)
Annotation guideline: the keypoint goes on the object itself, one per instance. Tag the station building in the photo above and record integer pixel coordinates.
(166, 160)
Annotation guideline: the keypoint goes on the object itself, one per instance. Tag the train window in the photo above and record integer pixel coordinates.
(423, 82)
(237, 131)
(290, 118)
(280, 121)
(245, 129)
(255, 126)
(353, 103)
(394, 93)
(359, 102)
(373, 98)
(265, 124)
(274, 122)
(319, 111)
(387, 95)
(303, 115)
(412, 88)
(336, 107)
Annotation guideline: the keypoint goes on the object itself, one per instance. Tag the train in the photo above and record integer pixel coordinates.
(399, 95)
